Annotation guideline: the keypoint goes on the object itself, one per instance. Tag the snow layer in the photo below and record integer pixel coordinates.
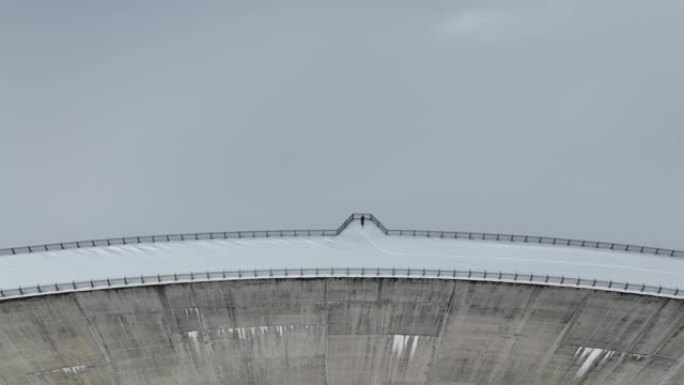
(356, 247)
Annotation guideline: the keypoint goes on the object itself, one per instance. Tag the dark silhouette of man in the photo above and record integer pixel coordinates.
(363, 220)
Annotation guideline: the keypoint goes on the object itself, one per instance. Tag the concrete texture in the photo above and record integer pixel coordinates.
(342, 331)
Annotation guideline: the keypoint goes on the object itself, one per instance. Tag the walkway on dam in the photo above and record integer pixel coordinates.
(355, 247)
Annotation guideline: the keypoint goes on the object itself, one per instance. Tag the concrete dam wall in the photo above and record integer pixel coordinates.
(342, 331)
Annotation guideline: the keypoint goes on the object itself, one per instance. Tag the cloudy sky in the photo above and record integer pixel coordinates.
(552, 117)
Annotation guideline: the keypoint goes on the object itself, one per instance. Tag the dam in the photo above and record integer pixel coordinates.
(562, 319)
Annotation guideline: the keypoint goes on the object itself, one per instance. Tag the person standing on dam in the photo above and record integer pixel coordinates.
(363, 220)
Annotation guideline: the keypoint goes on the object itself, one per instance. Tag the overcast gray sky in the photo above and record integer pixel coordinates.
(558, 117)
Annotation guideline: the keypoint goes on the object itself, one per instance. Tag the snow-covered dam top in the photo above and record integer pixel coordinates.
(354, 247)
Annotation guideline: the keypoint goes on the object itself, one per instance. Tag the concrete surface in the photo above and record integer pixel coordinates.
(339, 331)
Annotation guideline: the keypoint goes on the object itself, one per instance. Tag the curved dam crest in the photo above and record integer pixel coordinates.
(351, 245)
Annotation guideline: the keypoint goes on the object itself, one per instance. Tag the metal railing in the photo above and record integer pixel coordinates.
(178, 238)
(498, 277)
(497, 237)
(531, 239)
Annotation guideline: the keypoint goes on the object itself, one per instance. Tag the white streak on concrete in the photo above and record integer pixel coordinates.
(69, 370)
(589, 357)
(249, 333)
(404, 343)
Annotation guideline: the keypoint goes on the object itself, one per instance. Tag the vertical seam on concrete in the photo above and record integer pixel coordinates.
(99, 341)
(673, 370)
(445, 321)
(561, 336)
(325, 337)
(669, 336)
(379, 334)
(167, 311)
(47, 337)
(514, 332)
(630, 348)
